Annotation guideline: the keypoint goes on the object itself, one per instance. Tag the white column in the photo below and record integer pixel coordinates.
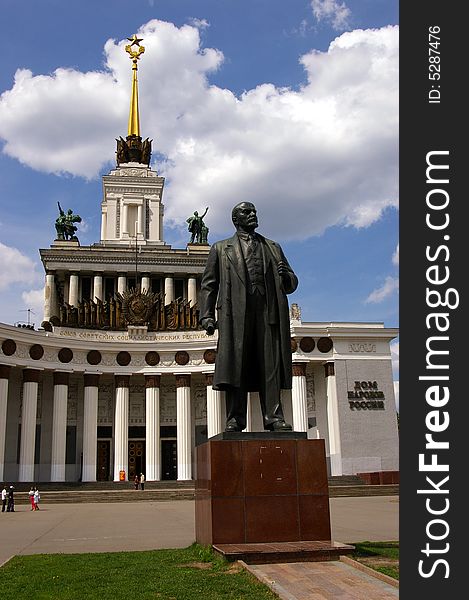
(97, 288)
(73, 290)
(90, 426)
(28, 425)
(152, 428)
(50, 297)
(298, 398)
(4, 376)
(59, 426)
(214, 408)
(104, 225)
(335, 449)
(183, 412)
(192, 290)
(121, 284)
(168, 290)
(125, 219)
(248, 413)
(145, 283)
(139, 220)
(121, 427)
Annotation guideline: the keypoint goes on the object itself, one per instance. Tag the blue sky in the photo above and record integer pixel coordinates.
(291, 105)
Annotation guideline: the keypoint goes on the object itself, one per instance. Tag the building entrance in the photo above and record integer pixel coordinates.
(136, 458)
(168, 459)
(103, 460)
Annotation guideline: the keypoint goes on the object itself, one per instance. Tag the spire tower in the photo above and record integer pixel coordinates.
(134, 119)
(132, 149)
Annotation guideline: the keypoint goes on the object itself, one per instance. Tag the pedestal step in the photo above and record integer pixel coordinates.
(282, 552)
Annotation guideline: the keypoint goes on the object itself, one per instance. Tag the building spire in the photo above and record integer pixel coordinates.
(132, 149)
(134, 121)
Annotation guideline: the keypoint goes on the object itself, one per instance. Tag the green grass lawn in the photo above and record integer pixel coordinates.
(381, 556)
(181, 574)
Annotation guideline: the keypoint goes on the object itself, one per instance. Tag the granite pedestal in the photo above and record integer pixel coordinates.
(261, 488)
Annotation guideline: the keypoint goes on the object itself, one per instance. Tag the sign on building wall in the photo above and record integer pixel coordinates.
(366, 395)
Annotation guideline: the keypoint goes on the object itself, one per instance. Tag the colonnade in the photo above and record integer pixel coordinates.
(215, 425)
(72, 290)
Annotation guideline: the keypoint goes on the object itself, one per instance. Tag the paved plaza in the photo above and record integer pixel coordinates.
(113, 527)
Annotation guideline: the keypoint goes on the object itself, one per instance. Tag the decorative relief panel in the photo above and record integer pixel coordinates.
(168, 403)
(72, 402)
(137, 404)
(310, 393)
(22, 351)
(105, 404)
(199, 391)
(50, 355)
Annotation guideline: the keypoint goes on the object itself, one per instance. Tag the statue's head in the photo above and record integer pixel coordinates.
(196, 214)
(244, 216)
(70, 211)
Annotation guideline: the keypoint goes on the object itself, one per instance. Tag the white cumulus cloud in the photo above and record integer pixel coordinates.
(16, 267)
(34, 300)
(390, 285)
(321, 155)
(337, 14)
(395, 256)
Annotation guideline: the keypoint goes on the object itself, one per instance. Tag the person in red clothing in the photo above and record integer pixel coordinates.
(31, 497)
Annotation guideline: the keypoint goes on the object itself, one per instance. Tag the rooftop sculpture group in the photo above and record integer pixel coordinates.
(65, 224)
(198, 229)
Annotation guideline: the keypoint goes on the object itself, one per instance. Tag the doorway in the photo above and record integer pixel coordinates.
(136, 458)
(169, 459)
(103, 460)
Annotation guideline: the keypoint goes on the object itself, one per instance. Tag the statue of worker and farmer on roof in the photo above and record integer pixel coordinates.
(197, 228)
(65, 224)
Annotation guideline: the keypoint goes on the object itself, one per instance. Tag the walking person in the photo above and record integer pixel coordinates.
(11, 500)
(142, 481)
(4, 498)
(31, 497)
(37, 499)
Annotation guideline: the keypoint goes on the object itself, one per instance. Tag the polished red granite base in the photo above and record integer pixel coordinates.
(261, 491)
(284, 552)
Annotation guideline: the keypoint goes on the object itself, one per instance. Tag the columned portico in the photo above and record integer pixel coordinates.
(121, 426)
(152, 428)
(59, 426)
(184, 427)
(90, 419)
(299, 400)
(333, 420)
(28, 424)
(4, 376)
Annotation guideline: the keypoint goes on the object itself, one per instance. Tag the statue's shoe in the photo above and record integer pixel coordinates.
(280, 426)
(233, 427)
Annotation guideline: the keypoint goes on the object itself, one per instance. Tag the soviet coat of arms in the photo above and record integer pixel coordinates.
(137, 306)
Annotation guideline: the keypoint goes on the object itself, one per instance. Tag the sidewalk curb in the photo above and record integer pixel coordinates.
(357, 565)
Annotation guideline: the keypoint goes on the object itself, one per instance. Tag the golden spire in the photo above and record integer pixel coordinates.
(134, 121)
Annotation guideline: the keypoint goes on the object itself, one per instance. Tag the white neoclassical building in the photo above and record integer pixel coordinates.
(117, 380)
